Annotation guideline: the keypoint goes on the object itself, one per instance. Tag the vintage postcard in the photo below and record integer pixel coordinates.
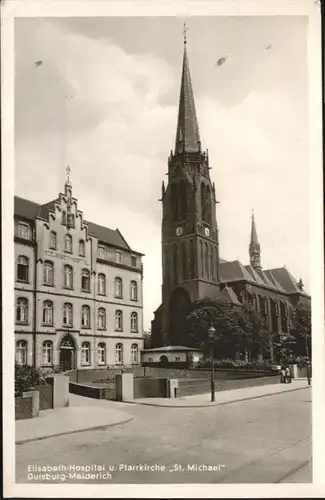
(163, 264)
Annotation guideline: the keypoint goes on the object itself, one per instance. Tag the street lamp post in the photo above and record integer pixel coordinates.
(307, 363)
(211, 333)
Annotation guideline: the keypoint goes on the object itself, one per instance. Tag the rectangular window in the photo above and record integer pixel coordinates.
(118, 257)
(47, 353)
(119, 354)
(150, 360)
(53, 240)
(85, 356)
(21, 352)
(22, 269)
(177, 358)
(101, 355)
(133, 261)
(70, 220)
(23, 230)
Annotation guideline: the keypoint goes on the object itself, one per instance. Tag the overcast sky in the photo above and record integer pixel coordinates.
(105, 101)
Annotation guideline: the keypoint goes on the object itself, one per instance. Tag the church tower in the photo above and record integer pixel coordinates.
(254, 248)
(190, 250)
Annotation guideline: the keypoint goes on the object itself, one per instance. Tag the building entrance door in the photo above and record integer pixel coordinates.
(67, 353)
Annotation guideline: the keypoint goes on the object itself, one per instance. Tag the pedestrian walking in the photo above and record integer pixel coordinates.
(282, 375)
(288, 375)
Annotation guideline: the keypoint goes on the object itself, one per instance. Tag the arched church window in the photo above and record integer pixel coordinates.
(184, 260)
(175, 264)
(201, 258)
(208, 204)
(211, 262)
(206, 260)
(174, 201)
(192, 269)
(203, 201)
(182, 200)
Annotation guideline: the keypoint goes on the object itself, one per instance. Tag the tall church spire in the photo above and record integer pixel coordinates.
(254, 247)
(187, 134)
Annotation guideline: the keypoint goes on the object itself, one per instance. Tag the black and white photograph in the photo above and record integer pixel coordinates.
(163, 275)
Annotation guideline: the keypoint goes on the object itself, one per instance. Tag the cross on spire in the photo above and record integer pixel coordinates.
(68, 171)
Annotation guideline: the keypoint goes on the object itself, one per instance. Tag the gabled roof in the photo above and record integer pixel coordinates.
(255, 276)
(31, 210)
(48, 207)
(285, 279)
(229, 295)
(233, 271)
(26, 208)
(106, 235)
(277, 279)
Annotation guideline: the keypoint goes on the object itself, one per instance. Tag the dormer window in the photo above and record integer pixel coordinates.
(23, 230)
(102, 252)
(133, 261)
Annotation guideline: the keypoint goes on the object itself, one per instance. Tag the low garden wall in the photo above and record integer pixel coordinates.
(93, 390)
(199, 386)
(150, 387)
(45, 397)
(23, 407)
(204, 373)
(101, 375)
(81, 376)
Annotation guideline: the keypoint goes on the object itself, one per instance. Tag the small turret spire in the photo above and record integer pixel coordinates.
(254, 247)
(185, 28)
(187, 134)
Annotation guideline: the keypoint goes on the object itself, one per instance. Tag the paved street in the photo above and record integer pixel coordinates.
(266, 440)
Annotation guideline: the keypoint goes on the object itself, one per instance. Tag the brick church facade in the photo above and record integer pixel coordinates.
(191, 264)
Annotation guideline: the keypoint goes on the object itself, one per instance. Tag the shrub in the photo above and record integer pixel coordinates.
(239, 364)
(27, 378)
(51, 370)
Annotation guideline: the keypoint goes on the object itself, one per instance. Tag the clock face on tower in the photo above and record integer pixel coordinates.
(207, 231)
(179, 231)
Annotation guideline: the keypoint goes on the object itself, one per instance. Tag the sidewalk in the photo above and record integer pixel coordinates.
(224, 397)
(83, 414)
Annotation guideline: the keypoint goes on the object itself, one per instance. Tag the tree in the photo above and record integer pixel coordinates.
(206, 312)
(147, 339)
(27, 378)
(253, 331)
(238, 326)
(301, 329)
(284, 348)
